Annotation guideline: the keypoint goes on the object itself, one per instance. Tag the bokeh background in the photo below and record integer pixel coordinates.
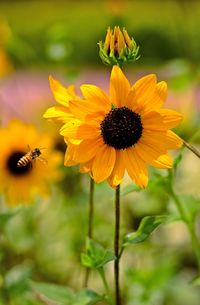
(43, 241)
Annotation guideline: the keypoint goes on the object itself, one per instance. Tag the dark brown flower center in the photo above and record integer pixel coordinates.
(12, 164)
(121, 128)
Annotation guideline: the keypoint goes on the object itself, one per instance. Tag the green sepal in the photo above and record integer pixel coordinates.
(127, 55)
(96, 256)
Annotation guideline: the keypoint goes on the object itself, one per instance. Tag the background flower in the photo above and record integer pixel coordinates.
(21, 184)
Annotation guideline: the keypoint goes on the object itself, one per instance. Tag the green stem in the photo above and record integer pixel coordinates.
(190, 225)
(91, 209)
(192, 148)
(108, 293)
(116, 246)
(90, 224)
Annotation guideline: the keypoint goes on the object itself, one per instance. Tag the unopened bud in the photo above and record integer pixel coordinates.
(118, 48)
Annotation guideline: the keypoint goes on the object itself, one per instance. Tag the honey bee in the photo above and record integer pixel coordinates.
(28, 158)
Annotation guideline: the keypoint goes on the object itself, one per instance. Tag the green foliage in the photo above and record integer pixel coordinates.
(196, 281)
(5, 217)
(62, 295)
(162, 37)
(190, 205)
(87, 297)
(146, 227)
(13, 283)
(149, 284)
(96, 256)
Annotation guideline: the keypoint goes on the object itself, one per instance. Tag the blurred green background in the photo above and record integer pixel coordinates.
(43, 242)
(47, 32)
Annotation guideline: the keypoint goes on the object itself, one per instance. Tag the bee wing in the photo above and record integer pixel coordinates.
(43, 160)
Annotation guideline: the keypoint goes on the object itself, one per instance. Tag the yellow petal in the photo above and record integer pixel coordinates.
(73, 141)
(158, 98)
(81, 109)
(103, 163)
(57, 113)
(131, 100)
(171, 118)
(87, 149)
(149, 150)
(119, 87)
(160, 141)
(107, 39)
(155, 158)
(173, 141)
(97, 95)
(69, 130)
(69, 155)
(86, 167)
(161, 89)
(153, 121)
(86, 131)
(118, 171)
(135, 167)
(164, 161)
(145, 89)
(61, 94)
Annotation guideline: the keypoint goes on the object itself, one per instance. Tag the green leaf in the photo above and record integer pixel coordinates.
(5, 217)
(60, 294)
(196, 281)
(146, 227)
(87, 297)
(16, 277)
(96, 256)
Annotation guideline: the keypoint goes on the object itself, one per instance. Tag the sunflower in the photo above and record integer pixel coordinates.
(126, 130)
(21, 184)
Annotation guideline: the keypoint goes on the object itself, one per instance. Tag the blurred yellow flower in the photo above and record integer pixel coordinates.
(21, 184)
(127, 130)
(5, 64)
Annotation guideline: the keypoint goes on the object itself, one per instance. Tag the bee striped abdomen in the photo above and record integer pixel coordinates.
(29, 157)
(25, 160)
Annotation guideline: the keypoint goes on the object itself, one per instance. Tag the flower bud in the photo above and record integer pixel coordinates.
(118, 48)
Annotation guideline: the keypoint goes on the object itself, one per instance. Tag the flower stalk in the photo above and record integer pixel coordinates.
(91, 209)
(90, 224)
(192, 148)
(116, 246)
(102, 274)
